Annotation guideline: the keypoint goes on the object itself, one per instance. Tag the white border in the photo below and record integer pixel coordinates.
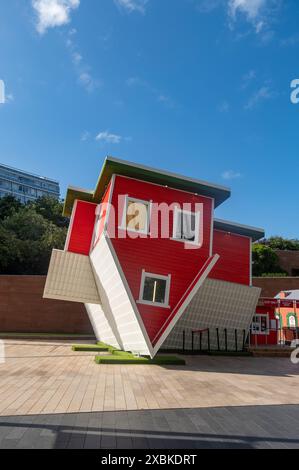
(145, 274)
(123, 225)
(197, 226)
(262, 333)
(68, 237)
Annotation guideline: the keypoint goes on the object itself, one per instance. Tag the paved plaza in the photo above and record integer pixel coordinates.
(52, 397)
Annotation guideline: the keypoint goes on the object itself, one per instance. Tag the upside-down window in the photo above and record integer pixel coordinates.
(260, 324)
(154, 289)
(136, 215)
(186, 226)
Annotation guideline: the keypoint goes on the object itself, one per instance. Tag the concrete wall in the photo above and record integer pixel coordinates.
(22, 309)
(271, 286)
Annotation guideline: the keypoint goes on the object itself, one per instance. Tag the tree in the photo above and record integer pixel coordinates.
(8, 206)
(51, 209)
(28, 233)
(280, 243)
(265, 260)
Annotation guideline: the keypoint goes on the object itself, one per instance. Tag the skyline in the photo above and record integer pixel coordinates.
(87, 80)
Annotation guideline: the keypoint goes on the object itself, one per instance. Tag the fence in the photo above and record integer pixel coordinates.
(213, 339)
(283, 336)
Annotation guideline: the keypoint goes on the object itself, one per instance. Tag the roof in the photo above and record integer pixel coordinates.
(133, 170)
(290, 294)
(28, 173)
(239, 229)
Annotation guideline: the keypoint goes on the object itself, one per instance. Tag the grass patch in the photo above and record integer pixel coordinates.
(89, 348)
(128, 358)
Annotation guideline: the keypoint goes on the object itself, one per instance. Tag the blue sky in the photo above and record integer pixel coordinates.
(192, 86)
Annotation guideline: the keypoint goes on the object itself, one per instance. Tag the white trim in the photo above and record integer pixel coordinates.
(130, 295)
(260, 332)
(212, 227)
(68, 237)
(185, 304)
(250, 268)
(109, 203)
(145, 274)
(123, 225)
(197, 214)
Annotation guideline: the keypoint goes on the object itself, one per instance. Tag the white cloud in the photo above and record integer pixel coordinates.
(259, 13)
(224, 107)
(108, 138)
(82, 69)
(231, 175)
(248, 78)
(262, 94)
(53, 13)
(88, 82)
(158, 95)
(85, 136)
(132, 5)
(256, 12)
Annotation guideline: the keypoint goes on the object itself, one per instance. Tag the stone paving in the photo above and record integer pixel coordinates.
(53, 397)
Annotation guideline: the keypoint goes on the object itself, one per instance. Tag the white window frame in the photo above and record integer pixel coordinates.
(260, 315)
(123, 225)
(177, 212)
(167, 291)
(98, 219)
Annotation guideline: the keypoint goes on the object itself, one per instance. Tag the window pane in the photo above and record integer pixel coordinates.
(154, 290)
(185, 226)
(189, 226)
(137, 216)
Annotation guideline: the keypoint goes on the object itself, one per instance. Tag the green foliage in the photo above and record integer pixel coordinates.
(265, 260)
(284, 274)
(51, 209)
(280, 243)
(129, 359)
(28, 233)
(8, 206)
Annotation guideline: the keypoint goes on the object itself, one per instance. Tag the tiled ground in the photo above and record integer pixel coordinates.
(53, 397)
(253, 427)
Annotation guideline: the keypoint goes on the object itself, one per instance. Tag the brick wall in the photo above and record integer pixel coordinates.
(289, 261)
(271, 286)
(22, 309)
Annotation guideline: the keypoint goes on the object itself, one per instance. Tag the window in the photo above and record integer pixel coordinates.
(260, 324)
(136, 216)
(154, 289)
(292, 320)
(186, 226)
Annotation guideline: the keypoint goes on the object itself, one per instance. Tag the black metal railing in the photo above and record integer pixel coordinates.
(216, 339)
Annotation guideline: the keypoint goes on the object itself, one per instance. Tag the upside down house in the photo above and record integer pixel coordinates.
(150, 262)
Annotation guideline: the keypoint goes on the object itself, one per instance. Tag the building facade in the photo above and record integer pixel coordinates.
(26, 186)
(147, 257)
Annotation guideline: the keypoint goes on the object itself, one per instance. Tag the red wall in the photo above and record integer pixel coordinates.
(272, 337)
(234, 262)
(81, 229)
(159, 256)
